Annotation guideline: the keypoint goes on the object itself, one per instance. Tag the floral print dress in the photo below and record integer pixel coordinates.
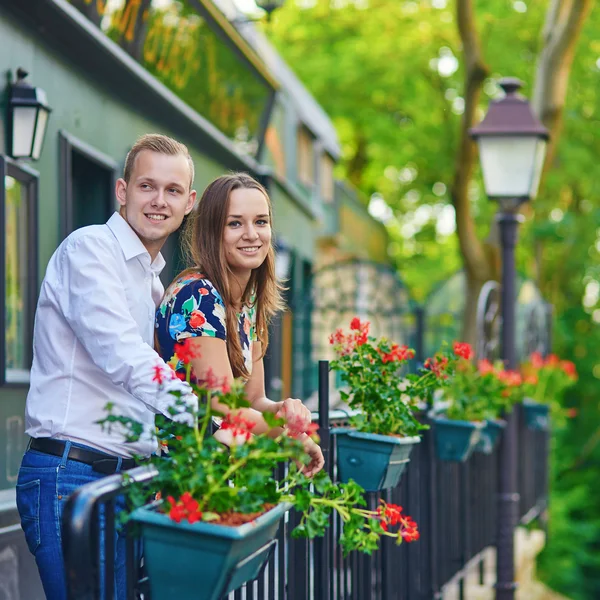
(192, 307)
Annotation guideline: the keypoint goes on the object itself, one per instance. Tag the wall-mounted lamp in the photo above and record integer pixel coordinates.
(28, 113)
(268, 6)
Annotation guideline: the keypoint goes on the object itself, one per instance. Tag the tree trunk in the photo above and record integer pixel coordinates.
(563, 25)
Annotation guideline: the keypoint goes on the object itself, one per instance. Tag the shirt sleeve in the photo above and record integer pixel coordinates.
(198, 311)
(94, 304)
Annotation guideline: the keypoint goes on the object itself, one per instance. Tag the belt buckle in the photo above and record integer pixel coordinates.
(106, 466)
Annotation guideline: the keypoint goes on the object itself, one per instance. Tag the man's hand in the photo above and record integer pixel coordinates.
(316, 456)
(296, 415)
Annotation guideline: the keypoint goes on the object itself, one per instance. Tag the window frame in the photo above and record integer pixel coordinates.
(67, 145)
(303, 131)
(323, 160)
(30, 179)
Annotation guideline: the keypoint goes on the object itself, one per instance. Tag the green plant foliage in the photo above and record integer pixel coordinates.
(200, 479)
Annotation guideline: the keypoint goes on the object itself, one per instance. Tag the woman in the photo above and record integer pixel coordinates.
(225, 302)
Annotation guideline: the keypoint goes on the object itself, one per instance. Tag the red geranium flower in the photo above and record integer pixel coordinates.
(390, 515)
(437, 366)
(238, 425)
(185, 351)
(355, 324)
(463, 350)
(569, 368)
(537, 361)
(185, 508)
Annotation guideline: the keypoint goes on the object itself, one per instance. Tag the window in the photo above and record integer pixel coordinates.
(327, 164)
(18, 269)
(276, 150)
(87, 184)
(306, 157)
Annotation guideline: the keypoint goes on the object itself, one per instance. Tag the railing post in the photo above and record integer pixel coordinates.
(322, 547)
(433, 536)
(419, 334)
(78, 547)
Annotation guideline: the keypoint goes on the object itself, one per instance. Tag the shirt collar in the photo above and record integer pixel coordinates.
(131, 244)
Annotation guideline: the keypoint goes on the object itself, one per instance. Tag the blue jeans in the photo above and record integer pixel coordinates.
(44, 484)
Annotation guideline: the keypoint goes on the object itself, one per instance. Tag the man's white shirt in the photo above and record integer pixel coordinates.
(93, 341)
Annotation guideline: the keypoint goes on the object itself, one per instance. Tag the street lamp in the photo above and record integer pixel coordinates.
(512, 147)
(28, 113)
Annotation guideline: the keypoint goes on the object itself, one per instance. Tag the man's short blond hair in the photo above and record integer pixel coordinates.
(155, 142)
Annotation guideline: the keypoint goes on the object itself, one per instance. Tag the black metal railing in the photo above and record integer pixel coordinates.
(454, 505)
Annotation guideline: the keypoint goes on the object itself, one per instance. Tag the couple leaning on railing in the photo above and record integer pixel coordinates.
(100, 341)
(125, 372)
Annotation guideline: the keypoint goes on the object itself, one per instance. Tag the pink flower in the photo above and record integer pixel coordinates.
(485, 366)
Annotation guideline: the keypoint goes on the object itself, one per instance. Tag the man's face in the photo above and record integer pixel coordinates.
(157, 197)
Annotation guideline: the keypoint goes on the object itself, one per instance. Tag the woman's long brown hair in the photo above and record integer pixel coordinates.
(202, 243)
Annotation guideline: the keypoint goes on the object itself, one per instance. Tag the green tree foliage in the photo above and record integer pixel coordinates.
(391, 76)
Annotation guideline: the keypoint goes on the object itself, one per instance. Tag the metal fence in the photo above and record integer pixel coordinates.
(454, 505)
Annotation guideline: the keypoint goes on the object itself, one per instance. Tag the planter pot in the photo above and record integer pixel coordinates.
(455, 440)
(489, 436)
(375, 462)
(204, 561)
(537, 415)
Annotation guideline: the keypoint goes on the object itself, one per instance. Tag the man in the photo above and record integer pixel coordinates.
(93, 344)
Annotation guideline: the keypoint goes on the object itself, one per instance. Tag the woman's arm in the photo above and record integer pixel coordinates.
(292, 409)
(211, 355)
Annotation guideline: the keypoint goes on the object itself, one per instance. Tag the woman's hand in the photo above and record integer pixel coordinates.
(296, 415)
(316, 456)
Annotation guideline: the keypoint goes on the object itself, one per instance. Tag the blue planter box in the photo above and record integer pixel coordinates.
(375, 462)
(455, 440)
(489, 436)
(537, 415)
(204, 561)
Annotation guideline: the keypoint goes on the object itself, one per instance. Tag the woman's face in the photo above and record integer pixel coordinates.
(247, 235)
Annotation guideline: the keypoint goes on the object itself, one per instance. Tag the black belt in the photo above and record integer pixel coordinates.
(99, 461)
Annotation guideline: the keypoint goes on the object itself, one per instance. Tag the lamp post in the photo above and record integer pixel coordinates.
(512, 147)
(28, 113)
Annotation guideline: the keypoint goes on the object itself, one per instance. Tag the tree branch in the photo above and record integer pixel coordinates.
(562, 29)
(476, 71)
